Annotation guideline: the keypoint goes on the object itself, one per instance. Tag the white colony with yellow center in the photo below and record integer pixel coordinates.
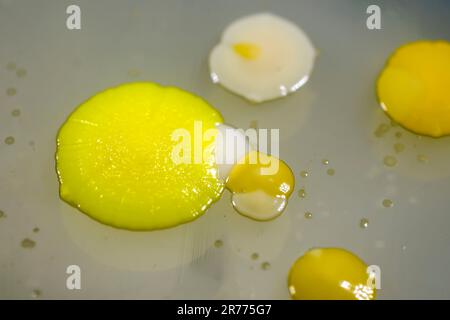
(262, 57)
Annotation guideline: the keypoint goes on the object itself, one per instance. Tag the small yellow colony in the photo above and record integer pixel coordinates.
(262, 57)
(260, 186)
(330, 274)
(414, 87)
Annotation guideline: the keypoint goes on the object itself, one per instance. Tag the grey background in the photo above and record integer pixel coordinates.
(333, 117)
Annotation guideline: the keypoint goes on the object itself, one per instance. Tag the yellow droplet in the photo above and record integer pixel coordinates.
(218, 243)
(390, 161)
(9, 140)
(36, 293)
(302, 193)
(364, 223)
(304, 174)
(381, 130)
(330, 172)
(387, 203)
(308, 215)
(255, 256)
(255, 173)
(28, 243)
(247, 50)
(261, 186)
(265, 265)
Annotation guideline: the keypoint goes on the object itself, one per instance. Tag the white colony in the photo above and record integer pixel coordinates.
(231, 146)
(282, 65)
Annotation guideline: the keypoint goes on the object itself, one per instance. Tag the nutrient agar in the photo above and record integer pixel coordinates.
(11, 92)
(11, 66)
